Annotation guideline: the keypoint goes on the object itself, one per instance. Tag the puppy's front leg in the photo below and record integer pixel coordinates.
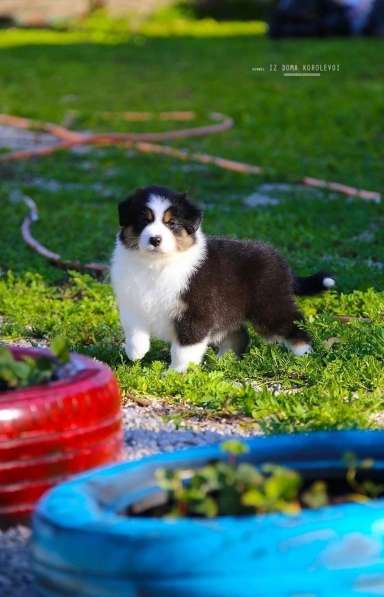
(137, 343)
(182, 356)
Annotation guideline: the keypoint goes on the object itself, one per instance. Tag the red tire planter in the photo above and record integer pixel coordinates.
(52, 431)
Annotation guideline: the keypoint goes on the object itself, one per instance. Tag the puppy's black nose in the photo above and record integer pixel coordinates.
(155, 240)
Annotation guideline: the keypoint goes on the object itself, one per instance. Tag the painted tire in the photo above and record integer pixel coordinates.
(82, 546)
(52, 431)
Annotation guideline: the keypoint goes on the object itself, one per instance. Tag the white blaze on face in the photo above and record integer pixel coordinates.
(167, 243)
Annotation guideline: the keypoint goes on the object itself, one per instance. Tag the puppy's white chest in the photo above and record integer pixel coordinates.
(155, 295)
(149, 292)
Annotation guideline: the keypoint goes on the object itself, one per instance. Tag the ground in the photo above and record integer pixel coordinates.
(327, 127)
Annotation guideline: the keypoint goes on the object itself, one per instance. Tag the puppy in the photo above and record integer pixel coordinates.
(173, 283)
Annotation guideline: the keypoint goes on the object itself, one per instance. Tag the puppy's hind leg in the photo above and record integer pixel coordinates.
(236, 342)
(298, 342)
(287, 332)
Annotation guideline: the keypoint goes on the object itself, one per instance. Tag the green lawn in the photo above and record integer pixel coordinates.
(329, 127)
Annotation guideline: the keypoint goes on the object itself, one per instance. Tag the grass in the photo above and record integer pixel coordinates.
(328, 127)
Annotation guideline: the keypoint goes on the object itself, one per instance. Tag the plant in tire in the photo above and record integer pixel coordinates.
(228, 488)
(60, 414)
(28, 371)
(333, 550)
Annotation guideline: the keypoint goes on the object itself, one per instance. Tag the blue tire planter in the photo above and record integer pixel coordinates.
(82, 546)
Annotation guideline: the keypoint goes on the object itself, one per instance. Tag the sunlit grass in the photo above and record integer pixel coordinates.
(98, 29)
(291, 128)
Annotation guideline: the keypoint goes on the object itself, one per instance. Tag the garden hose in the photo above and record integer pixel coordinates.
(144, 143)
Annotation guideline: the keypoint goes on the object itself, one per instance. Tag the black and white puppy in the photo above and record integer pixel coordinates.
(173, 283)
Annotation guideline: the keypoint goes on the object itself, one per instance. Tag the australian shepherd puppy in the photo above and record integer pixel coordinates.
(174, 283)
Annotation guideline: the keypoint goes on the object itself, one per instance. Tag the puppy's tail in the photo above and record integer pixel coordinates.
(313, 284)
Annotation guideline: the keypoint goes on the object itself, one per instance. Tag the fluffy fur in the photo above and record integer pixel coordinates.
(173, 283)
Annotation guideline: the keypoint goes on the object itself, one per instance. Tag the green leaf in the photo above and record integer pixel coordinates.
(43, 364)
(316, 496)
(5, 356)
(60, 349)
(233, 446)
(248, 474)
(253, 497)
(208, 507)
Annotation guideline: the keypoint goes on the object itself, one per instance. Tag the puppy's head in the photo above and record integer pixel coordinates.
(156, 220)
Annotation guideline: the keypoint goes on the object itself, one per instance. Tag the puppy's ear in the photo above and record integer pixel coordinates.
(192, 215)
(125, 212)
(125, 208)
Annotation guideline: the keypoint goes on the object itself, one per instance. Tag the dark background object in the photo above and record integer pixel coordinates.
(235, 10)
(309, 18)
(323, 18)
(375, 24)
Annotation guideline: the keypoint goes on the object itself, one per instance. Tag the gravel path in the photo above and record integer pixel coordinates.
(148, 429)
(15, 573)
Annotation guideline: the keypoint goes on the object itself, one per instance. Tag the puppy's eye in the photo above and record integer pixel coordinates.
(171, 223)
(148, 216)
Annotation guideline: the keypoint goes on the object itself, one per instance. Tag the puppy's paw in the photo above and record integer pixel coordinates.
(180, 368)
(299, 349)
(183, 356)
(136, 347)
